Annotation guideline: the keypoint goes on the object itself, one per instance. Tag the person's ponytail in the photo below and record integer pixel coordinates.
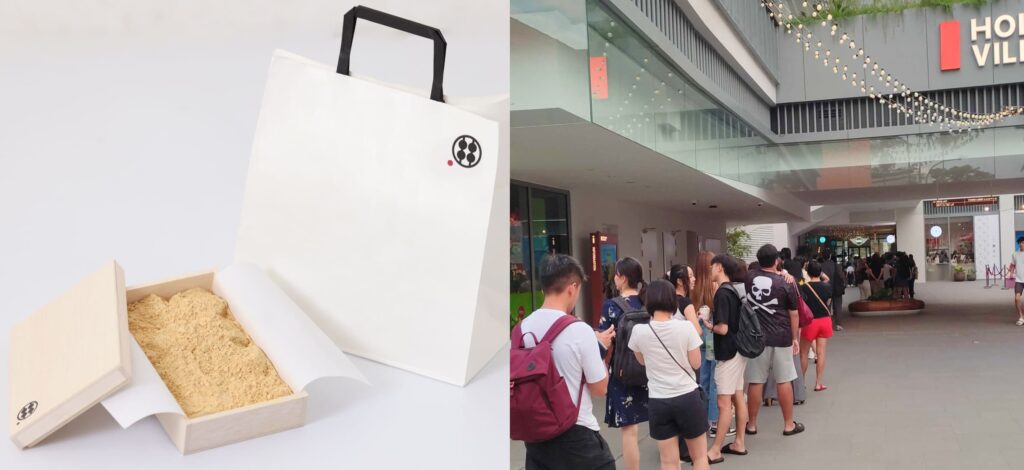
(642, 291)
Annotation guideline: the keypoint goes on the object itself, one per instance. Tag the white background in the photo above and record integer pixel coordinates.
(125, 130)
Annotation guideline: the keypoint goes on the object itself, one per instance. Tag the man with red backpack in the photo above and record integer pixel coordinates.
(553, 356)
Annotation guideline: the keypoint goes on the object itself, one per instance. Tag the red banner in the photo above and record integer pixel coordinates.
(599, 78)
(949, 45)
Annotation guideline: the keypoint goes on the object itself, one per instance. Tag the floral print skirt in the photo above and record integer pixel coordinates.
(625, 404)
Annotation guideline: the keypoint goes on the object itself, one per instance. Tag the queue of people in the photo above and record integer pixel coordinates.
(709, 339)
(894, 271)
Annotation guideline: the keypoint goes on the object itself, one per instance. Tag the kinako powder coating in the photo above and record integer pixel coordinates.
(207, 360)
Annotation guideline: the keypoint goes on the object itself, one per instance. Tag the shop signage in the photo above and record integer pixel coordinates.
(999, 41)
(966, 201)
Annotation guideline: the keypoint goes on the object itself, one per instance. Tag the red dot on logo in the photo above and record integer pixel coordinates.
(450, 163)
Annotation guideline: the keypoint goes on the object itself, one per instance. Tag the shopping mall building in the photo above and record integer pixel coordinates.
(646, 127)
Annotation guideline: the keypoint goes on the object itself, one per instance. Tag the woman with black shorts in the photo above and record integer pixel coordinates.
(677, 406)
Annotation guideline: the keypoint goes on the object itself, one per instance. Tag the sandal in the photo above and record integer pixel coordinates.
(797, 429)
(1020, 322)
(727, 449)
(718, 460)
(820, 388)
(798, 402)
(751, 433)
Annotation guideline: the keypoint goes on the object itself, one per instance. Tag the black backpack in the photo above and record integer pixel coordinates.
(749, 336)
(625, 367)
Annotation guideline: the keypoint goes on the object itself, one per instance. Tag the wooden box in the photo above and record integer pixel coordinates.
(230, 426)
(77, 351)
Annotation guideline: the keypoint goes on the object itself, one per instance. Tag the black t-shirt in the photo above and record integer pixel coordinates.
(861, 275)
(772, 298)
(683, 302)
(903, 269)
(824, 291)
(794, 268)
(727, 310)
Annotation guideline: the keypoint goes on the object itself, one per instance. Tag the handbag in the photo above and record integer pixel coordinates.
(703, 395)
(805, 314)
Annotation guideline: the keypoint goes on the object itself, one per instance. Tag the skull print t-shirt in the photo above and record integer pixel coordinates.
(772, 298)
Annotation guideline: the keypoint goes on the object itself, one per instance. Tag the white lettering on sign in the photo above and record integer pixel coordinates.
(998, 39)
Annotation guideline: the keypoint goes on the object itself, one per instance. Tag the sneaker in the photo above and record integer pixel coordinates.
(732, 431)
(837, 328)
(812, 356)
(713, 432)
(1020, 322)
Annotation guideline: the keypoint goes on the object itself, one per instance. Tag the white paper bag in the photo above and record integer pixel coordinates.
(381, 213)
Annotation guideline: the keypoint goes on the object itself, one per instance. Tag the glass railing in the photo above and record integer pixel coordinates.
(549, 56)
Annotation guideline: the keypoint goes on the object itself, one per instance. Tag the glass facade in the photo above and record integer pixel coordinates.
(636, 93)
(539, 219)
(579, 56)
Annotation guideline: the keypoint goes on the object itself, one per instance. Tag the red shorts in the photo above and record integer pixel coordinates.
(819, 328)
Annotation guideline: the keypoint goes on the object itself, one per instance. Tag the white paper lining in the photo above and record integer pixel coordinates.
(300, 351)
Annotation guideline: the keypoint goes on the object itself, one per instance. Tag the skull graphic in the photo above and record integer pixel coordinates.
(762, 288)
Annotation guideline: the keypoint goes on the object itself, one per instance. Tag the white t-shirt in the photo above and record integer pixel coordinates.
(664, 377)
(575, 352)
(1018, 260)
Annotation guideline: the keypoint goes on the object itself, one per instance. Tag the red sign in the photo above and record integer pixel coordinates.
(599, 78)
(949, 45)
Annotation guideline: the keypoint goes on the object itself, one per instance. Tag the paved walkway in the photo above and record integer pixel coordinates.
(944, 389)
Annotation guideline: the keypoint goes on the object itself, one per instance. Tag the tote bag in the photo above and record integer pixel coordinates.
(381, 212)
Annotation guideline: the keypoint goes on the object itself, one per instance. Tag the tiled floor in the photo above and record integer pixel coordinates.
(943, 389)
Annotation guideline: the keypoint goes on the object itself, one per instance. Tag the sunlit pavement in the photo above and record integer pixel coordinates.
(943, 389)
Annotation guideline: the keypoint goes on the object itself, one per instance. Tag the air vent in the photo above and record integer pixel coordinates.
(866, 113)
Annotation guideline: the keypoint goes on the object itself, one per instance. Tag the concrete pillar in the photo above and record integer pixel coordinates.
(910, 235)
(1006, 228)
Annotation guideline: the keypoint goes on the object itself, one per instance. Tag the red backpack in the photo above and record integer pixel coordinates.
(541, 408)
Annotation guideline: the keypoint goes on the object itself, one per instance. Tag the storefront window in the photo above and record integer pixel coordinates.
(519, 254)
(539, 221)
(949, 243)
(849, 242)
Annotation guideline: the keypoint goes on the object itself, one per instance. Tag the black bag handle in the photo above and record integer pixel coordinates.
(401, 24)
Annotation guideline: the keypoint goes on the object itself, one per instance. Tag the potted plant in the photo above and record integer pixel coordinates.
(972, 275)
(959, 273)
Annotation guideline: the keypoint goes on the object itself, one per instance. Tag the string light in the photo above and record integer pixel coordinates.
(902, 100)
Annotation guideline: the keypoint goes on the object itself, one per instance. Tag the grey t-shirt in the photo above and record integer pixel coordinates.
(1018, 259)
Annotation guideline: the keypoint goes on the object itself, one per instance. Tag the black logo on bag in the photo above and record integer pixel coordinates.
(27, 410)
(467, 151)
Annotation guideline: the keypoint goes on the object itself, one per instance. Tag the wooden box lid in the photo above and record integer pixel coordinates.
(68, 355)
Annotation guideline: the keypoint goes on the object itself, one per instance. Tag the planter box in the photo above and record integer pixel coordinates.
(891, 307)
(77, 351)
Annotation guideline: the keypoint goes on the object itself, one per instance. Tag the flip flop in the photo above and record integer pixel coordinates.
(797, 429)
(820, 389)
(752, 433)
(718, 460)
(727, 449)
